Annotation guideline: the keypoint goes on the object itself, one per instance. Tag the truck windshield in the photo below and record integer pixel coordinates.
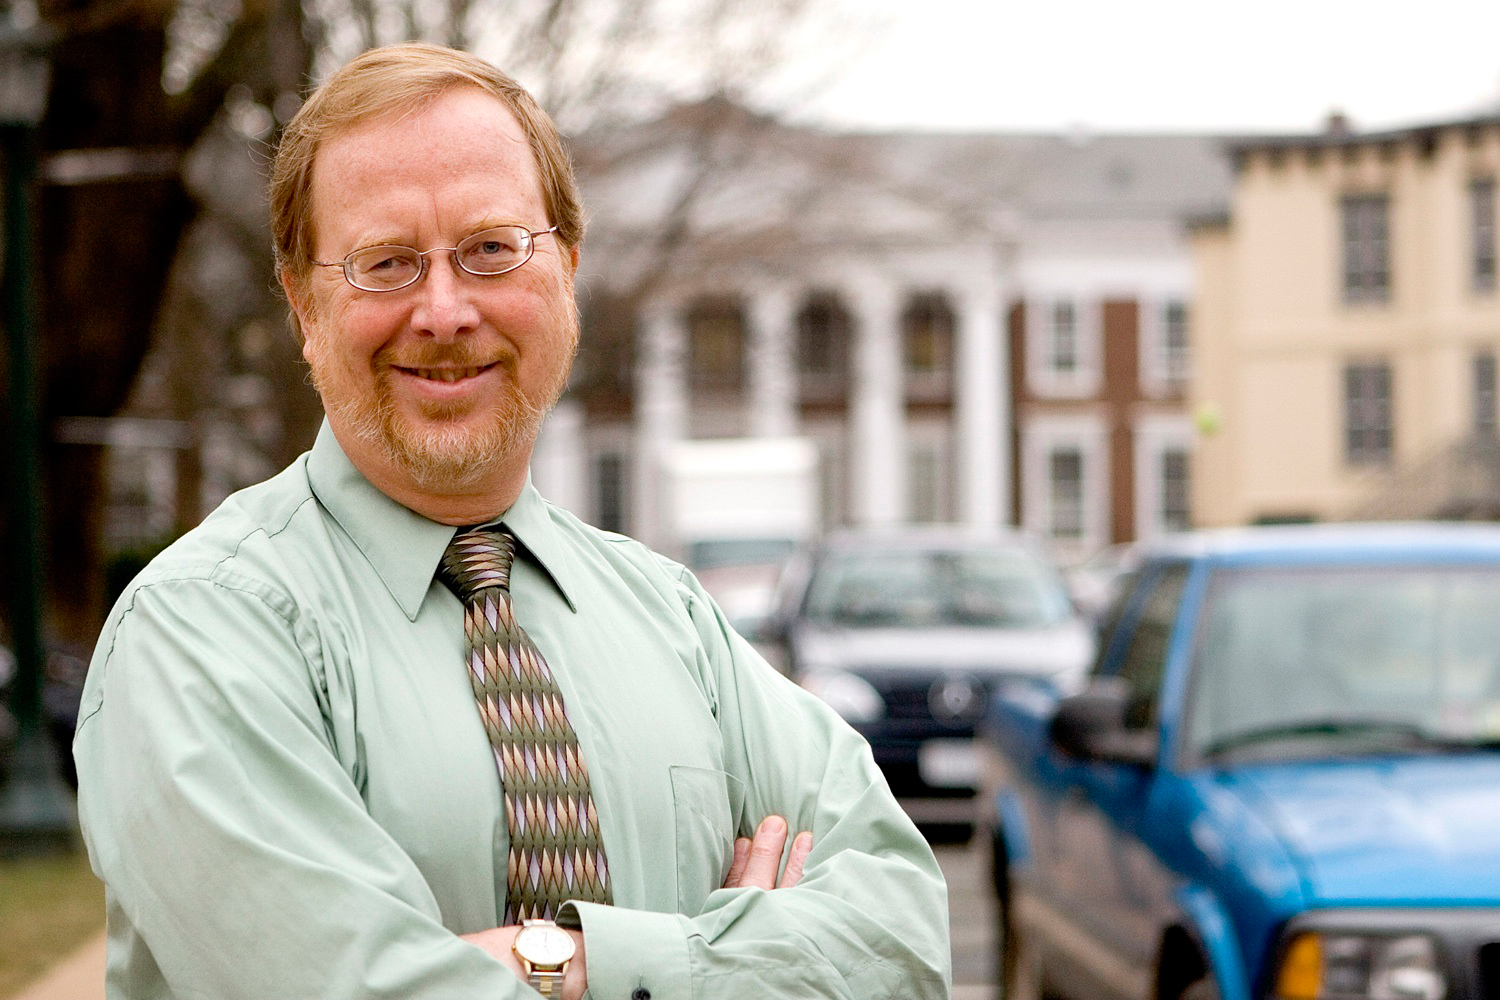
(1316, 660)
(929, 589)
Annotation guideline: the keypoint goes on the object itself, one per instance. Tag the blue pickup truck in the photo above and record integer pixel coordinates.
(1281, 779)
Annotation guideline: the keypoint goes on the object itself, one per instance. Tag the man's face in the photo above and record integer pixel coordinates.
(440, 383)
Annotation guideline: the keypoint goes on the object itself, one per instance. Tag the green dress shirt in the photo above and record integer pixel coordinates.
(286, 788)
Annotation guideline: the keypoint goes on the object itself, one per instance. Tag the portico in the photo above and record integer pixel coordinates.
(882, 391)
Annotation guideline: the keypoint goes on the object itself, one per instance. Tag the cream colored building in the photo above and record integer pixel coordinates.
(1347, 324)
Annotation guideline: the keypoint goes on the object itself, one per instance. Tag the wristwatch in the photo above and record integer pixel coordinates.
(544, 950)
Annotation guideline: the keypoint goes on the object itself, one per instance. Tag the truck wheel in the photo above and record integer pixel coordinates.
(1202, 989)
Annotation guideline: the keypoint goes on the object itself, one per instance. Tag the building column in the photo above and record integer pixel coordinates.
(660, 416)
(772, 364)
(877, 412)
(982, 417)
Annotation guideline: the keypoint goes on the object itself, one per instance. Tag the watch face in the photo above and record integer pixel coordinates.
(547, 946)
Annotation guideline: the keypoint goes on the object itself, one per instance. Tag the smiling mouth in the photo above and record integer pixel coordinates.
(447, 374)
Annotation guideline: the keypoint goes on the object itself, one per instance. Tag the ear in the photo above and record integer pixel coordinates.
(572, 261)
(298, 296)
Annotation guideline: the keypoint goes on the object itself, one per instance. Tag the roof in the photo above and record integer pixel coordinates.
(818, 183)
(1339, 138)
(1379, 542)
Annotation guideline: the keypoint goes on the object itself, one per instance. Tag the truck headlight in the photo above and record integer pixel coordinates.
(1321, 966)
(852, 697)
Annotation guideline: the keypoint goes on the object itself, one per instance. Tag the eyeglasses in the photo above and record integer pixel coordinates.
(488, 252)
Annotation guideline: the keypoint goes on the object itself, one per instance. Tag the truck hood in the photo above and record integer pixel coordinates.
(1388, 830)
(1064, 649)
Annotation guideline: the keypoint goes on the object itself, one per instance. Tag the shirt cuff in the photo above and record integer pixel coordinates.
(631, 954)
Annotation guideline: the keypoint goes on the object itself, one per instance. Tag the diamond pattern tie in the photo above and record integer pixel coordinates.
(556, 853)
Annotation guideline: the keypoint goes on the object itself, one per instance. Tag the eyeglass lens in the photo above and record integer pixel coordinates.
(491, 251)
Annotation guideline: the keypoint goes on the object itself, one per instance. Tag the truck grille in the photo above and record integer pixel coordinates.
(906, 700)
(912, 698)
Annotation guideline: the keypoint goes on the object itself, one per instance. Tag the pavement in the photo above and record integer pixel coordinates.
(971, 919)
(80, 976)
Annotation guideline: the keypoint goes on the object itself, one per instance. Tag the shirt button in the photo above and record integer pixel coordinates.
(640, 993)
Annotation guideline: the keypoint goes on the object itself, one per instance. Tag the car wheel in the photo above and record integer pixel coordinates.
(1202, 989)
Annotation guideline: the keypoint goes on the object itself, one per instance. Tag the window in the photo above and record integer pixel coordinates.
(1484, 394)
(1064, 345)
(1174, 344)
(1482, 232)
(606, 361)
(609, 491)
(1162, 444)
(1063, 355)
(927, 327)
(923, 478)
(1367, 413)
(1065, 475)
(1146, 656)
(988, 586)
(929, 476)
(1165, 366)
(1411, 645)
(1367, 269)
(716, 346)
(823, 343)
(1174, 490)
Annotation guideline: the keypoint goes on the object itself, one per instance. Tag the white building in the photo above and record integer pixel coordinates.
(983, 329)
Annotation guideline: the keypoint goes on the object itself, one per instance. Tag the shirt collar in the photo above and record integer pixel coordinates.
(404, 547)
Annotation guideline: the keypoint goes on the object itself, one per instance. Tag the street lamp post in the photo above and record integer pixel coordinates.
(36, 811)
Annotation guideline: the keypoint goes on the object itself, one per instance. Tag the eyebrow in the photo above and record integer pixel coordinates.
(486, 222)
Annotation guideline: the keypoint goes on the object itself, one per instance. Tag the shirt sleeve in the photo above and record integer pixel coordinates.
(869, 919)
(238, 854)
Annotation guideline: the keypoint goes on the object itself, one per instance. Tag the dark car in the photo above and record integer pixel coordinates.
(1282, 779)
(908, 636)
(63, 671)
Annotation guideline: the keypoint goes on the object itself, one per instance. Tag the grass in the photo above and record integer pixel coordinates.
(48, 908)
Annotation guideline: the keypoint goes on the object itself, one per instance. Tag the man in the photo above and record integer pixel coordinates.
(286, 781)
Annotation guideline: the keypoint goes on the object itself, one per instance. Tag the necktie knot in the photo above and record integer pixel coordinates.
(476, 560)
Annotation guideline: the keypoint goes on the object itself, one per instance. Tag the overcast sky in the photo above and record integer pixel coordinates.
(1112, 65)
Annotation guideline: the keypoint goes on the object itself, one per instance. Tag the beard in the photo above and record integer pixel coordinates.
(449, 448)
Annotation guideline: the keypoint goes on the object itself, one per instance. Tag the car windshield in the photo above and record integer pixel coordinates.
(987, 588)
(1347, 660)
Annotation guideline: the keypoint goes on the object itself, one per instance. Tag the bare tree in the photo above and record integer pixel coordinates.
(155, 81)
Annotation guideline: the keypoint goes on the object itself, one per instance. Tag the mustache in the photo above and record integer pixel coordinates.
(457, 355)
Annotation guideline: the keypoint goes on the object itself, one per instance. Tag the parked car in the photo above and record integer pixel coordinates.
(63, 671)
(1281, 779)
(740, 575)
(907, 635)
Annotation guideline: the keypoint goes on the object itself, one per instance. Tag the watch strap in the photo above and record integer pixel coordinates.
(548, 983)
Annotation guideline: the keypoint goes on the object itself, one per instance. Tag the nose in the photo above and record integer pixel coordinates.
(445, 306)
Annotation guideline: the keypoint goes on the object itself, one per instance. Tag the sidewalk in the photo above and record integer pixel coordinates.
(80, 976)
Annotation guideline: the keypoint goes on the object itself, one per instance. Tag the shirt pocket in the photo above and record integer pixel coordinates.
(705, 804)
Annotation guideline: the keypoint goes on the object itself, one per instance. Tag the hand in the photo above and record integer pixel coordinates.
(498, 940)
(756, 861)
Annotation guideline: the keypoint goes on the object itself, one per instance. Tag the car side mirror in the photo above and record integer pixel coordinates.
(1090, 725)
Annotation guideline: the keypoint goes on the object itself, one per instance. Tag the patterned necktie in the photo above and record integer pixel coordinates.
(556, 853)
